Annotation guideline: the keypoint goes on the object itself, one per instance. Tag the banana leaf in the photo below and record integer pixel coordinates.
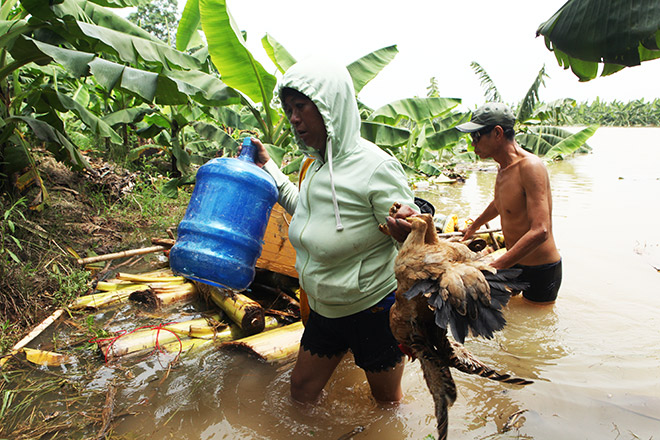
(166, 87)
(58, 144)
(128, 115)
(93, 122)
(383, 135)
(617, 33)
(367, 67)
(236, 65)
(130, 48)
(571, 144)
(552, 142)
(277, 53)
(86, 11)
(430, 169)
(442, 139)
(217, 135)
(531, 99)
(188, 25)
(415, 109)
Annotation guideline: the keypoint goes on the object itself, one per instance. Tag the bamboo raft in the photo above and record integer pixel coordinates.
(246, 321)
(263, 321)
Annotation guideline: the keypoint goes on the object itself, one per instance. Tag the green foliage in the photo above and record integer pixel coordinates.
(71, 285)
(637, 113)
(109, 73)
(527, 107)
(367, 67)
(8, 230)
(490, 90)
(94, 330)
(418, 131)
(534, 119)
(555, 143)
(154, 204)
(587, 33)
(432, 91)
(158, 17)
(5, 344)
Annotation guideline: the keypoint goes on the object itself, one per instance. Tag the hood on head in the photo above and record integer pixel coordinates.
(330, 88)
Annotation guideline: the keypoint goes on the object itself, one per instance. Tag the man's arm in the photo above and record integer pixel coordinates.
(535, 181)
(489, 213)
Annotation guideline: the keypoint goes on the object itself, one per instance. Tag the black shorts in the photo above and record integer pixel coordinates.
(544, 281)
(367, 334)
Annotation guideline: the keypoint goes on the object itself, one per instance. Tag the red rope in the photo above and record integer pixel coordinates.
(123, 333)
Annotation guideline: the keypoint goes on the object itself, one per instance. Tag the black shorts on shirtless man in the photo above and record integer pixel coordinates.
(544, 281)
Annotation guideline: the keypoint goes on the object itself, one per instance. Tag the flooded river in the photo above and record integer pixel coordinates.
(594, 356)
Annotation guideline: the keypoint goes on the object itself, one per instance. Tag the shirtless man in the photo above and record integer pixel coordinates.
(522, 200)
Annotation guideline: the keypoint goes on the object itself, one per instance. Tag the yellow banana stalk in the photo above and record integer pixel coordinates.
(244, 311)
(229, 333)
(186, 345)
(107, 286)
(275, 346)
(450, 224)
(142, 278)
(142, 339)
(97, 300)
(43, 357)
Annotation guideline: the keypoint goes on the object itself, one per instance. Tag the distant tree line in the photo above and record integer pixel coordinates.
(638, 113)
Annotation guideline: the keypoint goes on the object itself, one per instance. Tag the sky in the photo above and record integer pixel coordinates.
(435, 38)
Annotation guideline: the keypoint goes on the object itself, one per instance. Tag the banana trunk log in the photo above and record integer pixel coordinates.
(97, 300)
(178, 337)
(201, 328)
(125, 285)
(157, 297)
(244, 311)
(110, 286)
(146, 278)
(230, 333)
(273, 346)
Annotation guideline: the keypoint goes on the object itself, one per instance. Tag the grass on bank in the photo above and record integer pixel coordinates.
(108, 211)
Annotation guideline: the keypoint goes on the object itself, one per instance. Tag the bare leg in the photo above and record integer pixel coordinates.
(310, 374)
(386, 385)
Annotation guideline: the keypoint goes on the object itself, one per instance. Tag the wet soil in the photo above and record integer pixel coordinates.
(90, 212)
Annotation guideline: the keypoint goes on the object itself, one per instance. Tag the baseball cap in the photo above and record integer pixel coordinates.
(489, 114)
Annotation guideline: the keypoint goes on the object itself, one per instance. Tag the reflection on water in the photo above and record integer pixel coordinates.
(593, 356)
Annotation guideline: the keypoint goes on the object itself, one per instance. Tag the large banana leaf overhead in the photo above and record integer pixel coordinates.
(617, 33)
(237, 66)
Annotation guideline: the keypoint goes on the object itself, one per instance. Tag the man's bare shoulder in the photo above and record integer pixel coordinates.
(531, 163)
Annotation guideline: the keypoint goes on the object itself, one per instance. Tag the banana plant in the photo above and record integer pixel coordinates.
(615, 113)
(416, 131)
(617, 33)
(240, 70)
(87, 40)
(532, 117)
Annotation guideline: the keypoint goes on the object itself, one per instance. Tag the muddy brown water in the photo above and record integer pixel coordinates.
(594, 355)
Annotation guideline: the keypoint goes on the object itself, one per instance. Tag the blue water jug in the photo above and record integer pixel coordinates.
(220, 237)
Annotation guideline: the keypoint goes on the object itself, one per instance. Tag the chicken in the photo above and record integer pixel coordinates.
(443, 284)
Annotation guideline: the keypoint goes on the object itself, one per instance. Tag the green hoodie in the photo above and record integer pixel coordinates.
(344, 263)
